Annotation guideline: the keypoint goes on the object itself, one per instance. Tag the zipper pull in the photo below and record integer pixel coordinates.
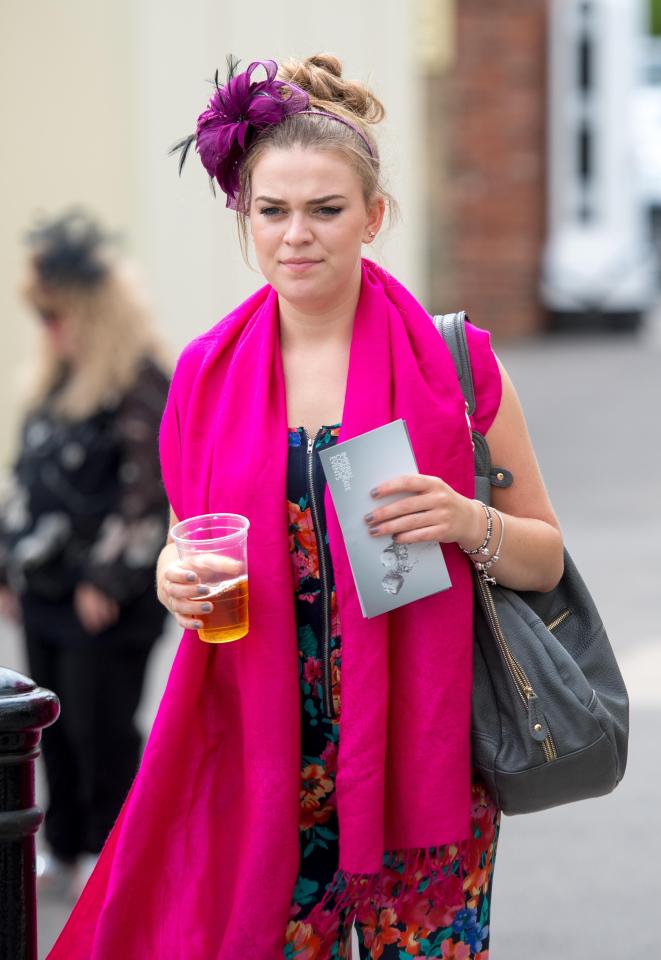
(536, 721)
(310, 443)
(484, 576)
(470, 425)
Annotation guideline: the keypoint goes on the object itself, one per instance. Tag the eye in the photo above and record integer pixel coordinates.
(329, 211)
(270, 211)
(48, 317)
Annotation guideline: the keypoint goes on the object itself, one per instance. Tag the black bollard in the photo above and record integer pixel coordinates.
(25, 710)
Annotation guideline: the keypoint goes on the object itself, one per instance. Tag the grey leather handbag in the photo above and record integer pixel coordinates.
(550, 712)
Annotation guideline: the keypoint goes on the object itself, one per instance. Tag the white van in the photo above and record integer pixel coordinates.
(599, 262)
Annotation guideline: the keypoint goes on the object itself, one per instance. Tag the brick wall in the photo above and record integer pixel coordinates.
(487, 158)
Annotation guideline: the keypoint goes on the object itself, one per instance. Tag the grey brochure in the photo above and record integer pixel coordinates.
(387, 574)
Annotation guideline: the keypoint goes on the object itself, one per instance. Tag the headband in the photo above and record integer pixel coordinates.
(351, 126)
(239, 110)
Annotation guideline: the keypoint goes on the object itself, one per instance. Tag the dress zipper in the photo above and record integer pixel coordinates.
(329, 710)
(521, 682)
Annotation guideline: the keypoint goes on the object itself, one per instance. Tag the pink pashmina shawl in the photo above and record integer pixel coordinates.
(202, 861)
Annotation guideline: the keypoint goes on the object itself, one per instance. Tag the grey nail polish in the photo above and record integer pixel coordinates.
(197, 624)
(203, 591)
(206, 607)
(191, 577)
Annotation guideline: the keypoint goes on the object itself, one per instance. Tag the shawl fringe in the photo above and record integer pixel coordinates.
(441, 869)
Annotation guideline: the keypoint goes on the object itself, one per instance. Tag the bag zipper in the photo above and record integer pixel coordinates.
(328, 707)
(555, 623)
(521, 682)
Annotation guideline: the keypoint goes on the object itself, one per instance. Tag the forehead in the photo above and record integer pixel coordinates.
(300, 173)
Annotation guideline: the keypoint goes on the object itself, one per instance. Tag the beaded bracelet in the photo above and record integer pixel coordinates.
(484, 546)
(495, 556)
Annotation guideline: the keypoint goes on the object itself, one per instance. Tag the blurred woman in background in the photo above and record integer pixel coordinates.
(82, 527)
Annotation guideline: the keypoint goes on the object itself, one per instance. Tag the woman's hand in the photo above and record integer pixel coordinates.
(180, 588)
(532, 555)
(9, 606)
(432, 510)
(95, 609)
(180, 591)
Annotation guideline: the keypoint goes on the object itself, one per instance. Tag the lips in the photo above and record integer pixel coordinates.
(299, 266)
(298, 261)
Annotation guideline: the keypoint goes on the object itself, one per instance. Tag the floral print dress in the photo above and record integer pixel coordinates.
(428, 924)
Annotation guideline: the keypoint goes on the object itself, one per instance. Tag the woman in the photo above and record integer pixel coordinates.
(83, 527)
(317, 772)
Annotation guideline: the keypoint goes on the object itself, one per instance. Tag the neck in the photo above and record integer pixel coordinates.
(303, 326)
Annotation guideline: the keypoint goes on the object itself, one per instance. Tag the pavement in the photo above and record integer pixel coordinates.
(578, 882)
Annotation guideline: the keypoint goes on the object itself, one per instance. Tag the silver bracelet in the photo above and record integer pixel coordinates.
(495, 557)
(484, 546)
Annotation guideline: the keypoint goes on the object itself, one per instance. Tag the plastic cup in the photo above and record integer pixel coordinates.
(214, 546)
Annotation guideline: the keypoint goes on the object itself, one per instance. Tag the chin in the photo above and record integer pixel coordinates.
(309, 296)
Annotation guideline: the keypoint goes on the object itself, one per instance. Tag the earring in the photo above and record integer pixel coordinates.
(371, 234)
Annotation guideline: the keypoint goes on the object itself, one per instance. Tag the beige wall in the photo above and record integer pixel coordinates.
(92, 94)
(66, 81)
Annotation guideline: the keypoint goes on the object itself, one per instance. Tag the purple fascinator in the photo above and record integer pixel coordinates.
(237, 112)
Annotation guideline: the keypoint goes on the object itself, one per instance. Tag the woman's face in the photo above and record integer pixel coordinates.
(309, 219)
(58, 328)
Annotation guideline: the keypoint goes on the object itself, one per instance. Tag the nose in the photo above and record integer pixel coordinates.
(298, 229)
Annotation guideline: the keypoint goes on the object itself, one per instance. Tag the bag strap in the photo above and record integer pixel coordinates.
(452, 327)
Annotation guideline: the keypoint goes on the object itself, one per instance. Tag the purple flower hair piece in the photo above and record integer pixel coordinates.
(236, 113)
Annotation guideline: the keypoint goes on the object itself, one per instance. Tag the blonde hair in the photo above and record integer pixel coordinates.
(321, 77)
(112, 331)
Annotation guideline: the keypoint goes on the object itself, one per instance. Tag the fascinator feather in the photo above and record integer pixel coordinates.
(239, 109)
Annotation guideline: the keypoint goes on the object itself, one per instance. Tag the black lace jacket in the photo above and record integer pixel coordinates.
(86, 502)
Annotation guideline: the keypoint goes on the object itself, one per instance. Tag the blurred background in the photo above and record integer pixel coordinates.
(523, 143)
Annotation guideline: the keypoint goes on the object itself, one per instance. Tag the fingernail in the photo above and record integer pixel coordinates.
(202, 590)
(374, 492)
(198, 624)
(191, 577)
(374, 531)
(369, 517)
(206, 607)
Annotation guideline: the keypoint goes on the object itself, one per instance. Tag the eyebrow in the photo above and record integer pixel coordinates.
(317, 200)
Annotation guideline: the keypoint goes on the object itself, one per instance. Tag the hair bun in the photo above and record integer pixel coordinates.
(321, 77)
(327, 62)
